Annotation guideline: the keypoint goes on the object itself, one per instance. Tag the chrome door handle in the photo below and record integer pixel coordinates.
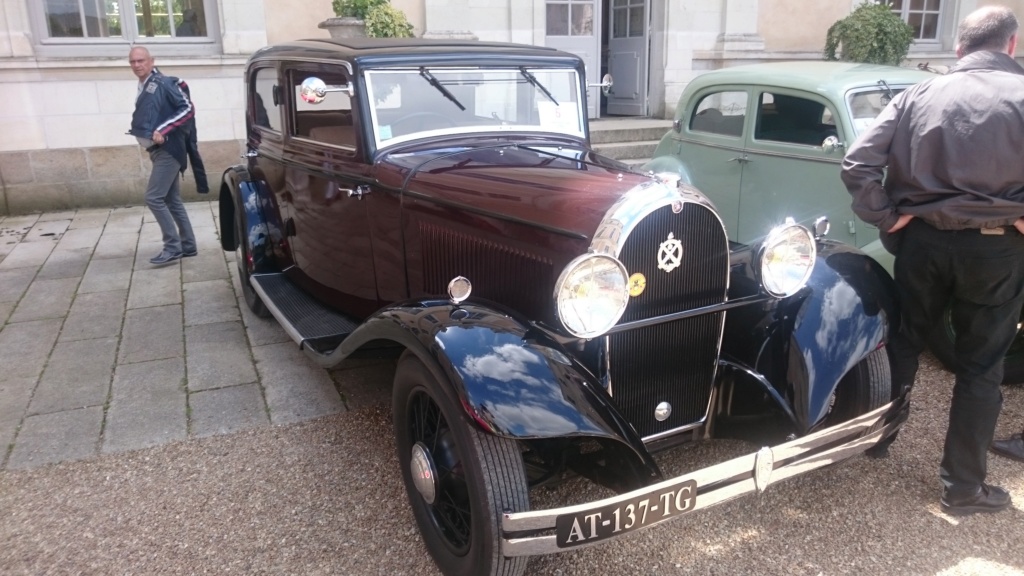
(358, 192)
(741, 159)
(250, 154)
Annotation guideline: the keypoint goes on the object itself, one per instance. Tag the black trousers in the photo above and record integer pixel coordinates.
(980, 279)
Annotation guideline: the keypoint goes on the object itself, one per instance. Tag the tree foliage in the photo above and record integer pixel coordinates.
(386, 21)
(872, 33)
(355, 8)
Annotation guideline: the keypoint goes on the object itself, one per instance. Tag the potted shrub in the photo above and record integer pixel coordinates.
(872, 34)
(374, 18)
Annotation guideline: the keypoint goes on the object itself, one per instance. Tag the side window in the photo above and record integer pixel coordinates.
(266, 99)
(720, 113)
(794, 120)
(330, 121)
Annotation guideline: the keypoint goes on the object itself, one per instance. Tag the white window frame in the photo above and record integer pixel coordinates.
(118, 45)
(950, 12)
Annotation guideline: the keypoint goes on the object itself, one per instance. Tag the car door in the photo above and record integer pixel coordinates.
(711, 146)
(787, 172)
(325, 181)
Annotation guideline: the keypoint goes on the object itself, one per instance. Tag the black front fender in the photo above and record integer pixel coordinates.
(511, 379)
(847, 314)
(806, 343)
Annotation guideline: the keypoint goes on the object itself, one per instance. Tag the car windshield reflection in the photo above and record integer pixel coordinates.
(407, 104)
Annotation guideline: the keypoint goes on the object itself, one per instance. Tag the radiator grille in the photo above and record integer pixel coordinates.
(672, 362)
(498, 272)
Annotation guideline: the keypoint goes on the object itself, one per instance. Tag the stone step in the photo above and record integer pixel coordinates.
(627, 150)
(604, 131)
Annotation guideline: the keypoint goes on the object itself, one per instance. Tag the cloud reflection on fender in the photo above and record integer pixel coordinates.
(515, 387)
(845, 328)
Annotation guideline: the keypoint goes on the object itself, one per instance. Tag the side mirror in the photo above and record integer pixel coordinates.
(831, 144)
(605, 85)
(313, 90)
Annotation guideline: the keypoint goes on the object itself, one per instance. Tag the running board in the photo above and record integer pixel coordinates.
(310, 324)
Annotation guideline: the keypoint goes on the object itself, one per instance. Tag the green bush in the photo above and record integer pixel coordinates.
(872, 33)
(355, 8)
(386, 21)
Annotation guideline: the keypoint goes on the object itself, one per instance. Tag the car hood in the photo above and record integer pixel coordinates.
(564, 188)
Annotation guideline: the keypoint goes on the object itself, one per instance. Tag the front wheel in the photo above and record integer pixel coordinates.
(459, 480)
(867, 386)
(940, 341)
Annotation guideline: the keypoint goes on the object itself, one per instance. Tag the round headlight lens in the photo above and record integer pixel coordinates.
(591, 294)
(787, 258)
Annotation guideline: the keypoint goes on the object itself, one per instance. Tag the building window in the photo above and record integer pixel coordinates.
(570, 17)
(922, 15)
(130, 20)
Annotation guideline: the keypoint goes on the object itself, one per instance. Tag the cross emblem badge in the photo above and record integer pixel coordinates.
(670, 254)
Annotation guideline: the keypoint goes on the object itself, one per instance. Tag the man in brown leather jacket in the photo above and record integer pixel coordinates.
(950, 210)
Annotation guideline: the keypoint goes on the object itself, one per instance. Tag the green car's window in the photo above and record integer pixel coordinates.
(794, 120)
(720, 113)
(865, 106)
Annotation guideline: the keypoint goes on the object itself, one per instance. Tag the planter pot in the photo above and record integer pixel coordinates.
(346, 27)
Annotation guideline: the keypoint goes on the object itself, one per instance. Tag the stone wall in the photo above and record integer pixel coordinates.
(69, 178)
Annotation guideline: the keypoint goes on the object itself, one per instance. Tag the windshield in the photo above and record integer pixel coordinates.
(412, 103)
(866, 105)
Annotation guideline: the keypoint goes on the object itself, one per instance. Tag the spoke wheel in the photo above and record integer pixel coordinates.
(242, 256)
(459, 480)
(940, 342)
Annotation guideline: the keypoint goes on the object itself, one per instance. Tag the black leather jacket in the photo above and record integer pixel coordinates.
(952, 145)
(162, 107)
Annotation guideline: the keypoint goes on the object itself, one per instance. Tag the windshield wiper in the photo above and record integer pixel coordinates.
(536, 83)
(437, 84)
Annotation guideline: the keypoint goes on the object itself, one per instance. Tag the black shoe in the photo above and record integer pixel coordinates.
(164, 258)
(986, 499)
(1012, 448)
(189, 254)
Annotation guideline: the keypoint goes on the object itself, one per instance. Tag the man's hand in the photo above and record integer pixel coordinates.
(158, 138)
(1019, 225)
(906, 218)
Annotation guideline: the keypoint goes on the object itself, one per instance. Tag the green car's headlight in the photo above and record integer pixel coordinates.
(591, 294)
(786, 259)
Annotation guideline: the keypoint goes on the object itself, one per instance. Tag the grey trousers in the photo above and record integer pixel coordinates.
(163, 196)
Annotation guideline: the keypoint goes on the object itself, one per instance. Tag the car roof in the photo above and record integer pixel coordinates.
(362, 52)
(833, 78)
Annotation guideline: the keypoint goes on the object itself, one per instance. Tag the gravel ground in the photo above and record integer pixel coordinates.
(325, 497)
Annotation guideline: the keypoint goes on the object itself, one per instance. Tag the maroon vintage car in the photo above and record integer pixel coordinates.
(552, 313)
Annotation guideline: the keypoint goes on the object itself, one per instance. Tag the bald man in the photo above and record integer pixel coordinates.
(161, 113)
(949, 207)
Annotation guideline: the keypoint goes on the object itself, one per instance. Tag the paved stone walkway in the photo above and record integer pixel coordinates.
(102, 352)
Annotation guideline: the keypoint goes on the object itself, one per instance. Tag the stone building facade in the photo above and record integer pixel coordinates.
(67, 92)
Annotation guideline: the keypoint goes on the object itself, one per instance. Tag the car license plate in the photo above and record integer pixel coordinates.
(600, 523)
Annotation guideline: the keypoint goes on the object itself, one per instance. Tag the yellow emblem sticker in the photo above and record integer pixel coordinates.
(637, 283)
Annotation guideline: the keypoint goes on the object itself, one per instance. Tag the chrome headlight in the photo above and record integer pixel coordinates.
(786, 259)
(591, 294)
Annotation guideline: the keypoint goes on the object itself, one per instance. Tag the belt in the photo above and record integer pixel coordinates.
(998, 231)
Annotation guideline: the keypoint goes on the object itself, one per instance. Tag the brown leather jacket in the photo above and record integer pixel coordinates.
(954, 148)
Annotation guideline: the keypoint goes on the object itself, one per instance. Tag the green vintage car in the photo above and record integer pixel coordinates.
(765, 141)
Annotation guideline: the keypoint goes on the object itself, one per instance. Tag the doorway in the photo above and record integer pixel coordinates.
(612, 37)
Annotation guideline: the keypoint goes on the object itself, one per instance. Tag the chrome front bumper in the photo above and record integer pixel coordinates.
(534, 533)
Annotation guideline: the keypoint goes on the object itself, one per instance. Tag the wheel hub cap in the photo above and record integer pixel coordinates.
(424, 474)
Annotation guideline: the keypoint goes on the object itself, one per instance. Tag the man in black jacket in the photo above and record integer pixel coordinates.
(951, 206)
(161, 114)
